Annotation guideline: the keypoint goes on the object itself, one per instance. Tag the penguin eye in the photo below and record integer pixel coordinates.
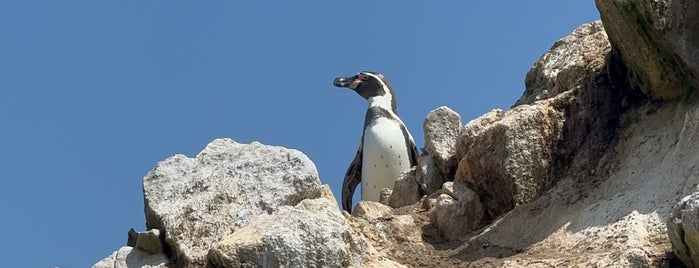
(362, 77)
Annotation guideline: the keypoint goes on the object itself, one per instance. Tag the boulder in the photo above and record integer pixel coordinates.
(442, 127)
(457, 211)
(406, 190)
(508, 162)
(198, 201)
(658, 43)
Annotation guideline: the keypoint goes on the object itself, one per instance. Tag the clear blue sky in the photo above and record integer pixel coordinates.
(94, 93)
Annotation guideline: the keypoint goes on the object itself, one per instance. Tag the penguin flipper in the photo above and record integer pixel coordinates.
(353, 177)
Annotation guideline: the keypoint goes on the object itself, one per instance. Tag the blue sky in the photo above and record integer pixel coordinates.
(94, 93)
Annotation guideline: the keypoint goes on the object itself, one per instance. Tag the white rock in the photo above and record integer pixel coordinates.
(311, 234)
(129, 257)
(198, 201)
(458, 211)
(442, 127)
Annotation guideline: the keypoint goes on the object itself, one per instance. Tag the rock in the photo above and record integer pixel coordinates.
(619, 214)
(132, 237)
(683, 229)
(474, 128)
(199, 201)
(442, 127)
(385, 195)
(568, 61)
(397, 237)
(127, 257)
(406, 190)
(371, 211)
(310, 234)
(428, 175)
(457, 211)
(150, 241)
(657, 41)
(510, 158)
(507, 162)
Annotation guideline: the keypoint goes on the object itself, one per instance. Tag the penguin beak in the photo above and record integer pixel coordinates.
(343, 81)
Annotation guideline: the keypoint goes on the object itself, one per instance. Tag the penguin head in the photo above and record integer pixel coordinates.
(371, 86)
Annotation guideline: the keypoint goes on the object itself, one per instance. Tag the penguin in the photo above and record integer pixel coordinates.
(386, 149)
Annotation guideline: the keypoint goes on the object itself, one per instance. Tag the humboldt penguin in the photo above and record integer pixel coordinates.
(386, 149)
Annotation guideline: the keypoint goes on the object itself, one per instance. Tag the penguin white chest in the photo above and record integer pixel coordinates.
(385, 157)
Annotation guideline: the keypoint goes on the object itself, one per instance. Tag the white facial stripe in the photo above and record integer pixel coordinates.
(381, 101)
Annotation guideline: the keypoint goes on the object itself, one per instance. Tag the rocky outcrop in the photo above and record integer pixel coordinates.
(570, 61)
(242, 205)
(510, 158)
(198, 201)
(658, 42)
(584, 170)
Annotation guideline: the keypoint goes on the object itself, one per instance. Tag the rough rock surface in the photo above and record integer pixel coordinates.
(570, 60)
(427, 174)
(683, 229)
(406, 190)
(311, 234)
(127, 257)
(442, 127)
(507, 163)
(457, 211)
(372, 211)
(658, 41)
(198, 201)
(510, 158)
(623, 215)
(149, 241)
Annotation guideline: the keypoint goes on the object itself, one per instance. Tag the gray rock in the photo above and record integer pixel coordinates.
(511, 158)
(457, 211)
(150, 241)
(199, 201)
(442, 127)
(311, 234)
(509, 161)
(406, 190)
(569, 60)
(428, 175)
(658, 43)
(129, 257)
(683, 229)
(132, 237)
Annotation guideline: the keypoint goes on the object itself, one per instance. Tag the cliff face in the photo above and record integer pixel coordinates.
(587, 168)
